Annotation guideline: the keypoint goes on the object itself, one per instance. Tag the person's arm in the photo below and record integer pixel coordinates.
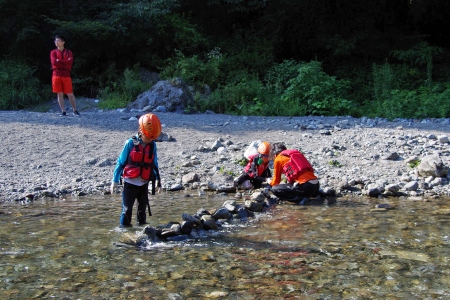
(155, 156)
(65, 63)
(53, 59)
(156, 170)
(122, 160)
(67, 60)
(277, 167)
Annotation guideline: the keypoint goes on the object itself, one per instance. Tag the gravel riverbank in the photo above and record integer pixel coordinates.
(45, 155)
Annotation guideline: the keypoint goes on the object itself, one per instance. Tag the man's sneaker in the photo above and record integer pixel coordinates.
(63, 114)
(76, 113)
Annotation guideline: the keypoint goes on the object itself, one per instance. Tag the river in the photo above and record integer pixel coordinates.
(70, 248)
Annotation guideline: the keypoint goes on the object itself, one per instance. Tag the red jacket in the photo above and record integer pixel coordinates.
(64, 64)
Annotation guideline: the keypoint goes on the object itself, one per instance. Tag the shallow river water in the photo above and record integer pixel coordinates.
(70, 248)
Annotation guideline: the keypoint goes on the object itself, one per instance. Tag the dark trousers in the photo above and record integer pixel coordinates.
(289, 192)
(130, 193)
(257, 181)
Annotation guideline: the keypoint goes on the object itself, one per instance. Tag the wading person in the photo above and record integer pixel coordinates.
(257, 169)
(138, 165)
(301, 181)
(62, 61)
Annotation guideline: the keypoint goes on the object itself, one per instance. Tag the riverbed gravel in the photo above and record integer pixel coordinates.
(46, 155)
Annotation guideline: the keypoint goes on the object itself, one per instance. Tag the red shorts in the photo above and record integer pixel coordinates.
(62, 85)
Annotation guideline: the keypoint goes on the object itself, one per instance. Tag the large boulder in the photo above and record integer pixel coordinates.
(172, 95)
(432, 165)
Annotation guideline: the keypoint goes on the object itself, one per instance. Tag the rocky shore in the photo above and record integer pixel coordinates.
(45, 155)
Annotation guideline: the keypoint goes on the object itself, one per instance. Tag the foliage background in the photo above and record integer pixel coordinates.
(263, 57)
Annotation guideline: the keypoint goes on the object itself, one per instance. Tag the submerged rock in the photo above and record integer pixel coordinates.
(198, 225)
(186, 227)
(222, 213)
(384, 205)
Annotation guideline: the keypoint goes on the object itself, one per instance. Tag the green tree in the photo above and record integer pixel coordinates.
(421, 54)
(314, 92)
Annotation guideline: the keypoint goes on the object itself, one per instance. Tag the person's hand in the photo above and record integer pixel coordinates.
(113, 188)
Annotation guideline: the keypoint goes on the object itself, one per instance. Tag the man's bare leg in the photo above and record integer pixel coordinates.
(61, 101)
(72, 101)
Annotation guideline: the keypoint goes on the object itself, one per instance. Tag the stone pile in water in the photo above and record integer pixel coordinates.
(197, 225)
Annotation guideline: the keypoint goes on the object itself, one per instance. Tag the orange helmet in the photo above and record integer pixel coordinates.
(264, 148)
(150, 126)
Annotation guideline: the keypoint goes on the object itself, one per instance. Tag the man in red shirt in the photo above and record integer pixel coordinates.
(62, 60)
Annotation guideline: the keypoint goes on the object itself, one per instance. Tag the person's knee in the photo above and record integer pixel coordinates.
(275, 190)
(314, 191)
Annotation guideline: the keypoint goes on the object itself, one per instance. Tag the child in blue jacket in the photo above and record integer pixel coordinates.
(138, 165)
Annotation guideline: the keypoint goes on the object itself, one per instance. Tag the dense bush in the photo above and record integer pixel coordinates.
(289, 57)
(18, 87)
(122, 91)
(416, 104)
(399, 93)
(238, 97)
(290, 88)
(195, 70)
(312, 92)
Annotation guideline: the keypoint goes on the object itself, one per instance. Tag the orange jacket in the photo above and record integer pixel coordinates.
(278, 165)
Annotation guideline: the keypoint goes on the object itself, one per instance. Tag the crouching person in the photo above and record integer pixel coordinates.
(138, 165)
(302, 183)
(257, 169)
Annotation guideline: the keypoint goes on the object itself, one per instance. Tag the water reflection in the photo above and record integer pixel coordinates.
(331, 249)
